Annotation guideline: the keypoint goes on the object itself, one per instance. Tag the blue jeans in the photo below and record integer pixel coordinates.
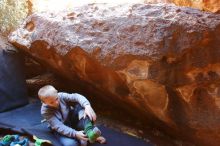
(73, 122)
(66, 141)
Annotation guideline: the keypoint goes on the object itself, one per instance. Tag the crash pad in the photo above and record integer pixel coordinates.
(27, 120)
(13, 91)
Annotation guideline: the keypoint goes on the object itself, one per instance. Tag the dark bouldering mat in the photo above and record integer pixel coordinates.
(27, 120)
(13, 91)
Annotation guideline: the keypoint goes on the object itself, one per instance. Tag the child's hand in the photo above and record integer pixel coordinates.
(90, 113)
(81, 136)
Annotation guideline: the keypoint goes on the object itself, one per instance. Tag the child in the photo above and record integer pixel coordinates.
(70, 116)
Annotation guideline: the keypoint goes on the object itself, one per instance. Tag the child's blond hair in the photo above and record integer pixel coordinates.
(47, 91)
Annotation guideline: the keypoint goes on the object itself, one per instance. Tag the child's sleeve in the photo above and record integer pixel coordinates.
(55, 123)
(58, 126)
(74, 97)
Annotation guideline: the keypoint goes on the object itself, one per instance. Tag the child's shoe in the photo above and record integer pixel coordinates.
(92, 132)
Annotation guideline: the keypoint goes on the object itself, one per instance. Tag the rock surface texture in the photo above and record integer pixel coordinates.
(208, 5)
(160, 62)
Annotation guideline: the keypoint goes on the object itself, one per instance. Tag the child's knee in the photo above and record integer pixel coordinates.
(78, 107)
(81, 114)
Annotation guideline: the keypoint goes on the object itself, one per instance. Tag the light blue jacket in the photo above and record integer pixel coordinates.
(57, 117)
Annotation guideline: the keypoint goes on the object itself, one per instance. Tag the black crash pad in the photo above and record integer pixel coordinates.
(13, 91)
(27, 120)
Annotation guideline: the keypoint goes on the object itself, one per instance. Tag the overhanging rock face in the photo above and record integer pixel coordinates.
(158, 61)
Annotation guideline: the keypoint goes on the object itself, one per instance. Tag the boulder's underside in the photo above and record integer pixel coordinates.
(159, 62)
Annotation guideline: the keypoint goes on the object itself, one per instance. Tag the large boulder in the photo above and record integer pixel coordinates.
(159, 62)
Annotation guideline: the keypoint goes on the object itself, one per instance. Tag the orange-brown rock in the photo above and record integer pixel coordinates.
(208, 5)
(160, 62)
